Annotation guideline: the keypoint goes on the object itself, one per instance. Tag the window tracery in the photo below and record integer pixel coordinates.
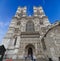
(30, 26)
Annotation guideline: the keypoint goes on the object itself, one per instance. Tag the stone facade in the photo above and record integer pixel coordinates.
(32, 35)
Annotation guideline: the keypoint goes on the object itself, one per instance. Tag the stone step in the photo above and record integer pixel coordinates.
(40, 59)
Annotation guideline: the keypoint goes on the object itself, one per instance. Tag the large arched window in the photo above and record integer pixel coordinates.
(30, 26)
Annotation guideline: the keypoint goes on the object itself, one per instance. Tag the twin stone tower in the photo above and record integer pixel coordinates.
(32, 36)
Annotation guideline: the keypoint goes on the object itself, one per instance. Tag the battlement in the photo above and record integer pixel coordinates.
(38, 9)
(22, 11)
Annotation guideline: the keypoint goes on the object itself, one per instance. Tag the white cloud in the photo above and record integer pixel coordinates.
(2, 24)
(2, 33)
(3, 29)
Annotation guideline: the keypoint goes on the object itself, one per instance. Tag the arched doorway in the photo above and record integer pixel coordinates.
(29, 50)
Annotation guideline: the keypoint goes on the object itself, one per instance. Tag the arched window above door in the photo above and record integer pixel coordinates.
(30, 26)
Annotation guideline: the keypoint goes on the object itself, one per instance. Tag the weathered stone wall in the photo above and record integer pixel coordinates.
(52, 41)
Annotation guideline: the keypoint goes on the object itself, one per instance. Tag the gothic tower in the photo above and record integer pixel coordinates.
(25, 33)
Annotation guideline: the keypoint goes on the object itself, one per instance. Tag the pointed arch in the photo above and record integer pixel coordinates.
(30, 26)
(29, 49)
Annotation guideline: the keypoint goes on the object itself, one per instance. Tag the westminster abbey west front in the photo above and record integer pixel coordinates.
(32, 37)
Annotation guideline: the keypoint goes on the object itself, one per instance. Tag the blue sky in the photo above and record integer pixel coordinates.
(9, 7)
